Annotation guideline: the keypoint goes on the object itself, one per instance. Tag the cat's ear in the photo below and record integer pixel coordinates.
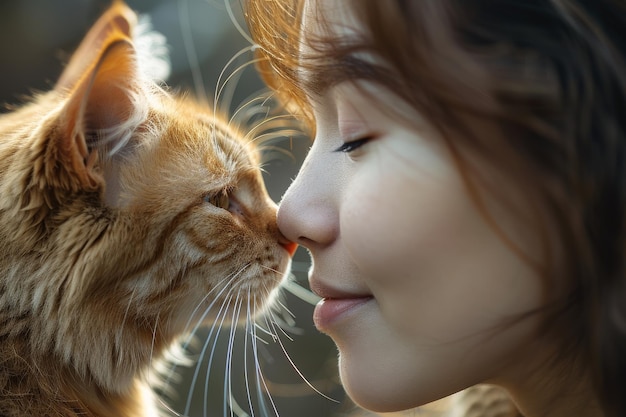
(118, 18)
(102, 111)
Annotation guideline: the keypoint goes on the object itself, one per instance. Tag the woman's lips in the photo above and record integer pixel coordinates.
(335, 304)
(330, 310)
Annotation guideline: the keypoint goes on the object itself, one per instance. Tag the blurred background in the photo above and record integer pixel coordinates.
(38, 36)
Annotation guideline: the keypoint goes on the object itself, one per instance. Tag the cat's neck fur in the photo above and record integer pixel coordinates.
(49, 390)
(30, 379)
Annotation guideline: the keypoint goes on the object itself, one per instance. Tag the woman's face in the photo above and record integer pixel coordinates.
(421, 292)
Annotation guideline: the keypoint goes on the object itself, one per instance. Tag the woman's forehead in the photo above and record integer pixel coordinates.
(324, 25)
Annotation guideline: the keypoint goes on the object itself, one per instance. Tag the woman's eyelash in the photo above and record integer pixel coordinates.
(352, 145)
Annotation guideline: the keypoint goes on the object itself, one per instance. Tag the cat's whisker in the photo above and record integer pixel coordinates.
(267, 107)
(264, 133)
(268, 328)
(257, 326)
(270, 95)
(266, 138)
(260, 381)
(280, 329)
(171, 412)
(263, 129)
(227, 94)
(287, 318)
(301, 292)
(263, 390)
(248, 106)
(235, 22)
(228, 387)
(184, 17)
(226, 91)
(235, 73)
(276, 122)
(219, 85)
(249, 110)
(212, 354)
(217, 296)
(225, 284)
(280, 303)
(253, 338)
(300, 374)
(270, 269)
(253, 114)
(247, 334)
(267, 317)
(223, 312)
(236, 409)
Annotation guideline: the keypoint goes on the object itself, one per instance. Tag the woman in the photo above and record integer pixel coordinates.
(464, 199)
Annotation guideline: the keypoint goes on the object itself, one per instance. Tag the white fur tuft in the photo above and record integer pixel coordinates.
(152, 50)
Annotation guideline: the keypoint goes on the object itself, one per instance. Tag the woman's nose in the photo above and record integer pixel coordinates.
(307, 213)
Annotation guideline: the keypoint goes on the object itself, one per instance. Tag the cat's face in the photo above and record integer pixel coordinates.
(197, 225)
(127, 213)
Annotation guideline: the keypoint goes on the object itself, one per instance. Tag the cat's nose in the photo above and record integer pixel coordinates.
(290, 246)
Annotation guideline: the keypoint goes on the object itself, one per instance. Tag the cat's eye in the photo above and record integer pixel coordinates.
(221, 199)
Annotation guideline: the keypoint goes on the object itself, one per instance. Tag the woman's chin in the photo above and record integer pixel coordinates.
(375, 391)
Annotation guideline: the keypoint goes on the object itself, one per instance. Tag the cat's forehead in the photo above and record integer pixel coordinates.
(185, 156)
(227, 140)
(195, 134)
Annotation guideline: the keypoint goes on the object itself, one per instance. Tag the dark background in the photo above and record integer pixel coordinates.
(37, 36)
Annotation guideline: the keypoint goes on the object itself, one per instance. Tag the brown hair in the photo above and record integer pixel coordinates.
(550, 75)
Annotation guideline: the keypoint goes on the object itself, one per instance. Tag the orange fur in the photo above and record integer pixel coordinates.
(110, 234)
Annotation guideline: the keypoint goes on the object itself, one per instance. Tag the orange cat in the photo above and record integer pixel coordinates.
(121, 208)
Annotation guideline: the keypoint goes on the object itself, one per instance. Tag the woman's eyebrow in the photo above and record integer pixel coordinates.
(316, 80)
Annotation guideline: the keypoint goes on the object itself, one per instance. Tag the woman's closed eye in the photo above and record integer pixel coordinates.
(352, 145)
